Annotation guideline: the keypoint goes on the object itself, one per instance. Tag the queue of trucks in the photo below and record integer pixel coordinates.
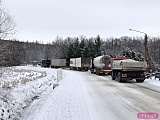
(121, 69)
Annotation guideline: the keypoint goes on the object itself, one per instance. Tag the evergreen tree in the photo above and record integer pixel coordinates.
(97, 45)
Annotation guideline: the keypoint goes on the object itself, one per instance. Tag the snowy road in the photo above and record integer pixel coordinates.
(122, 101)
(85, 96)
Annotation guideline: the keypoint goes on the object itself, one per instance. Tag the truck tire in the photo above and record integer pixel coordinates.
(139, 81)
(120, 77)
(113, 75)
(97, 72)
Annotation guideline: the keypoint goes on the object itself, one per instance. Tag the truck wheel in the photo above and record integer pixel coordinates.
(97, 72)
(92, 71)
(120, 77)
(139, 81)
(113, 75)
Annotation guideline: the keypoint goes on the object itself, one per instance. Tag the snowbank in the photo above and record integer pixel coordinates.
(20, 86)
(153, 81)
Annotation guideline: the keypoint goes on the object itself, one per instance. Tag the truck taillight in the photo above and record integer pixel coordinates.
(124, 74)
(143, 74)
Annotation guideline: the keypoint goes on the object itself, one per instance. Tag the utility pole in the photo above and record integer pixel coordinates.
(146, 51)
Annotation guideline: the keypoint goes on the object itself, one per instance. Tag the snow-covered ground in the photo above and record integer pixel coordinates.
(25, 86)
(153, 81)
(19, 86)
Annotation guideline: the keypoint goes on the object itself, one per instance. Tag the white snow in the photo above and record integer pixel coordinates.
(65, 102)
(20, 86)
(26, 93)
(153, 81)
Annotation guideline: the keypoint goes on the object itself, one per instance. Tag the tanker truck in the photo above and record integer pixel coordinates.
(101, 65)
(124, 68)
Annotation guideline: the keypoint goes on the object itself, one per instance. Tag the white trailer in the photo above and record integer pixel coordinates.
(58, 63)
(124, 69)
(80, 63)
(72, 63)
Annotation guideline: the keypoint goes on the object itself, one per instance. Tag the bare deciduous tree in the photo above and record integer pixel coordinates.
(7, 25)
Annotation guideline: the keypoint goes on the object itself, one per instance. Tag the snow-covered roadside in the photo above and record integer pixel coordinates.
(68, 101)
(153, 81)
(16, 98)
(64, 102)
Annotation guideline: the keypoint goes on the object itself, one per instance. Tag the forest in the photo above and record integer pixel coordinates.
(14, 52)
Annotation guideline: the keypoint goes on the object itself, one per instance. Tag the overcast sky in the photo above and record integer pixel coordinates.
(44, 20)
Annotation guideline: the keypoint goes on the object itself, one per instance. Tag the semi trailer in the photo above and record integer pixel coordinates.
(58, 63)
(80, 63)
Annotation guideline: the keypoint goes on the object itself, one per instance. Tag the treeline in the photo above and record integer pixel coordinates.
(16, 52)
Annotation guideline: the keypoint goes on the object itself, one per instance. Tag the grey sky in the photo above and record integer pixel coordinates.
(43, 20)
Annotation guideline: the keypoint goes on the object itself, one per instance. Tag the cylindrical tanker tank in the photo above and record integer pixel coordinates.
(102, 61)
(101, 65)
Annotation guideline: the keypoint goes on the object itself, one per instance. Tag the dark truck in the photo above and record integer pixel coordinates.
(46, 63)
